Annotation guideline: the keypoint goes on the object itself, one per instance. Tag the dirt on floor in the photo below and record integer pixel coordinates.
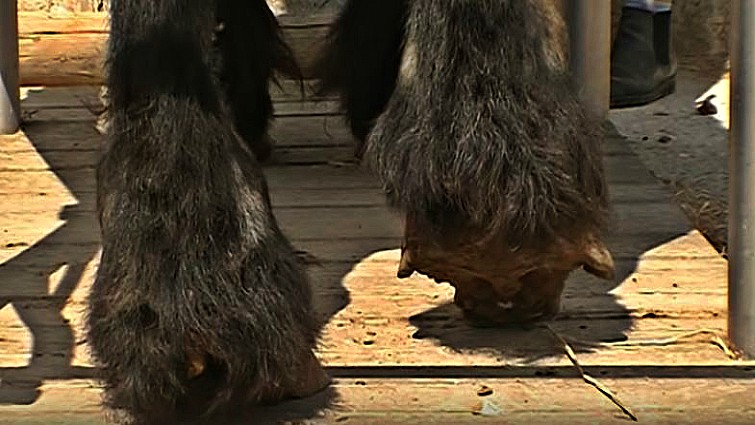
(687, 149)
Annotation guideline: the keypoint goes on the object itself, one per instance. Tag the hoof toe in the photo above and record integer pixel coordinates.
(405, 268)
(600, 262)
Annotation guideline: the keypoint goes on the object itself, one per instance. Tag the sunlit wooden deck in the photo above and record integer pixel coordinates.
(397, 348)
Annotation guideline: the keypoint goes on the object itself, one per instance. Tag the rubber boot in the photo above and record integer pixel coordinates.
(643, 68)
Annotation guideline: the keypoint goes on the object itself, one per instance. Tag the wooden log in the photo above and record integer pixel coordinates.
(700, 33)
(67, 51)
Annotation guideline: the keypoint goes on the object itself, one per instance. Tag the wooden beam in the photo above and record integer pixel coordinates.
(71, 51)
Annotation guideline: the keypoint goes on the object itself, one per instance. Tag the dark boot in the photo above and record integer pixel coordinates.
(643, 68)
(664, 45)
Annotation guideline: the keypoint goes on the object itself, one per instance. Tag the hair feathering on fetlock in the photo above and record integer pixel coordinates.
(484, 127)
(251, 47)
(361, 59)
(200, 304)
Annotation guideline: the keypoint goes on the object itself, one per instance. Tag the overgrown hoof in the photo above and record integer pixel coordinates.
(486, 321)
(497, 285)
(599, 261)
(405, 268)
(493, 313)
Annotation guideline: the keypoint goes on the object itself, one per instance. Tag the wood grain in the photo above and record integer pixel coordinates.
(69, 50)
(399, 350)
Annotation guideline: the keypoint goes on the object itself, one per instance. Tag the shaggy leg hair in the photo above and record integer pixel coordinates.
(200, 304)
(485, 149)
(361, 60)
(251, 48)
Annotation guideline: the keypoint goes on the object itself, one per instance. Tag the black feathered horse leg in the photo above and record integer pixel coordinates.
(361, 60)
(478, 139)
(200, 306)
(251, 50)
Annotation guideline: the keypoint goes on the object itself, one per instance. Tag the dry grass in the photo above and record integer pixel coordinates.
(707, 213)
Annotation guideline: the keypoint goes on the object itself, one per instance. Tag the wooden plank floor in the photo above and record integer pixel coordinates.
(397, 349)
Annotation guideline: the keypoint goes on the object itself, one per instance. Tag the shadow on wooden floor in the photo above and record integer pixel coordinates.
(591, 313)
(25, 280)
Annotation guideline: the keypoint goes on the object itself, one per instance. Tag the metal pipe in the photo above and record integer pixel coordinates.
(10, 108)
(741, 323)
(589, 23)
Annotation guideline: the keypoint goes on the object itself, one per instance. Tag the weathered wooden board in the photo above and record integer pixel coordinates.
(304, 133)
(70, 50)
(76, 97)
(355, 244)
(40, 198)
(400, 351)
(513, 401)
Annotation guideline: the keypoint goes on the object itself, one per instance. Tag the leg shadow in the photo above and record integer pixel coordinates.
(26, 277)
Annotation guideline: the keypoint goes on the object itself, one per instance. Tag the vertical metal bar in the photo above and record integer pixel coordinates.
(589, 23)
(742, 179)
(10, 109)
